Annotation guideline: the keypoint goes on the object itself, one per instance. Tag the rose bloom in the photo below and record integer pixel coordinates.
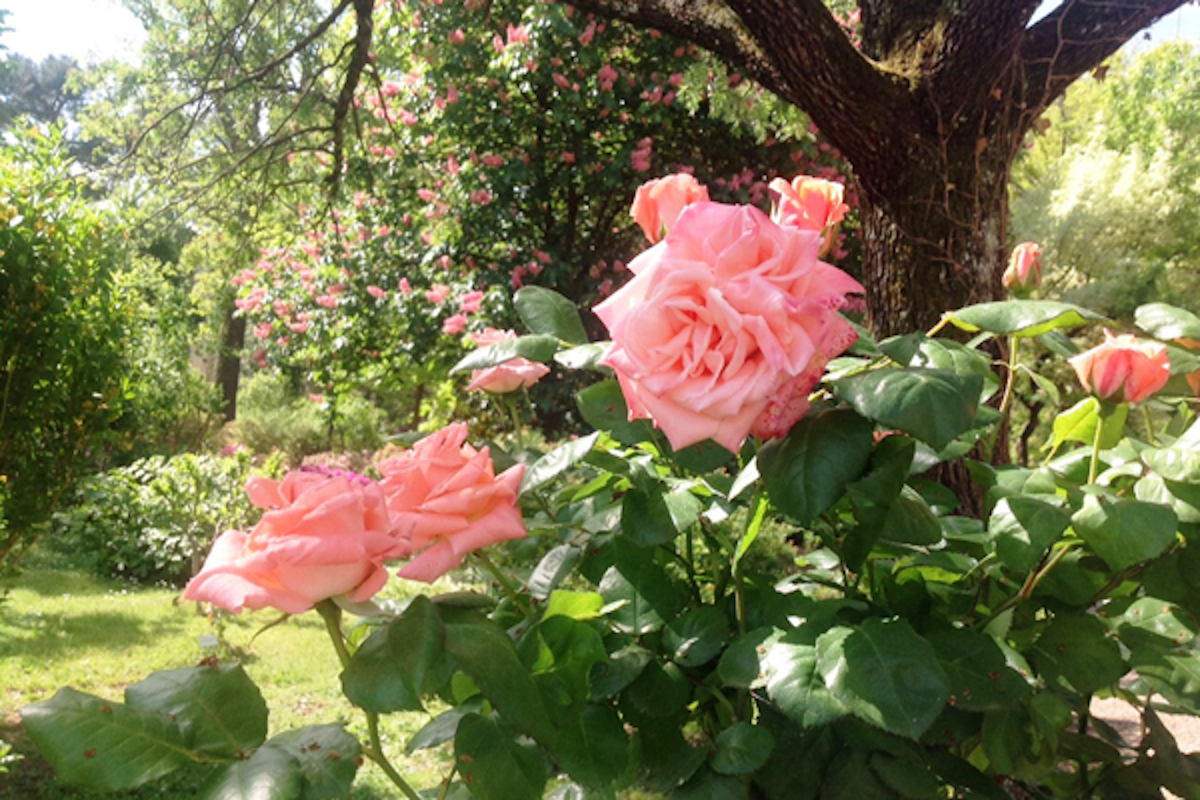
(808, 203)
(323, 535)
(658, 203)
(446, 500)
(1024, 271)
(516, 373)
(1123, 365)
(726, 326)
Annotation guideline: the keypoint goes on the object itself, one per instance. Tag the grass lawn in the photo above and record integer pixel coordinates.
(61, 627)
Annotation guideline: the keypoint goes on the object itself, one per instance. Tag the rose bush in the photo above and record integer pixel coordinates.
(323, 535)
(726, 316)
(446, 501)
(808, 617)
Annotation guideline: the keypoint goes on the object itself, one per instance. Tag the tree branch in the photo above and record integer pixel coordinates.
(1076, 37)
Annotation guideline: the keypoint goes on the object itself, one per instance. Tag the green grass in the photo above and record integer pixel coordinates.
(61, 627)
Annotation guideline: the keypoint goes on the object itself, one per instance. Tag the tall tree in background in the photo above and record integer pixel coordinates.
(931, 108)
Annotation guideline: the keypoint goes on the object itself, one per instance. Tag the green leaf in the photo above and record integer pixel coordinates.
(910, 520)
(594, 749)
(741, 749)
(620, 670)
(389, 671)
(1180, 462)
(696, 637)
(576, 605)
(562, 652)
(269, 774)
(584, 356)
(1021, 528)
(1078, 424)
(660, 690)
(708, 785)
(648, 595)
(485, 653)
(547, 312)
(535, 348)
(932, 405)
(495, 764)
(220, 710)
(557, 461)
(440, 729)
(101, 745)
(909, 779)
(554, 567)
(1125, 532)
(794, 683)
(645, 518)
(1075, 653)
(884, 673)
(327, 755)
(1004, 739)
(1022, 318)
(979, 674)
(1167, 322)
(739, 664)
(808, 470)
(603, 407)
(1152, 618)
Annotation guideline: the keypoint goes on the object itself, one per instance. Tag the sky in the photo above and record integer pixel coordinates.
(93, 30)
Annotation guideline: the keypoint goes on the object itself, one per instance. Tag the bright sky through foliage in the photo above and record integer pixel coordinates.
(93, 30)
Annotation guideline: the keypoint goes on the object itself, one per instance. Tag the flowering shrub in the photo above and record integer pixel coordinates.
(908, 651)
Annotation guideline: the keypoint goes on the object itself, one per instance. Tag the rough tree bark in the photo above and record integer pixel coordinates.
(930, 111)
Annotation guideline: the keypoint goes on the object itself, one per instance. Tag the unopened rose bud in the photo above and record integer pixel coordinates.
(1024, 272)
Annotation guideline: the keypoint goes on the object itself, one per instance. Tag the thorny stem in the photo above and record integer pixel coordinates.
(1014, 347)
(332, 614)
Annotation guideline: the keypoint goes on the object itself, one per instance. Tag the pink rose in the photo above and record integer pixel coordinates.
(516, 373)
(323, 535)
(446, 501)
(1024, 272)
(726, 327)
(659, 202)
(1123, 365)
(810, 204)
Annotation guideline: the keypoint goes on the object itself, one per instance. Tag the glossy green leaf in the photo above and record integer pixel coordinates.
(620, 670)
(584, 356)
(1155, 619)
(389, 670)
(1022, 318)
(1167, 322)
(1020, 529)
(535, 348)
(1180, 462)
(327, 755)
(1125, 532)
(219, 709)
(554, 567)
(576, 605)
(557, 461)
(1004, 739)
(794, 683)
(739, 664)
(979, 674)
(561, 652)
(547, 312)
(1078, 424)
(495, 763)
(696, 637)
(485, 653)
(884, 673)
(1075, 653)
(646, 592)
(741, 749)
(594, 748)
(269, 774)
(440, 729)
(932, 405)
(808, 470)
(645, 518)
(660, 690)
(103, 745)
(603, 407)
(709, 785)
(908, 779)
(910, 520)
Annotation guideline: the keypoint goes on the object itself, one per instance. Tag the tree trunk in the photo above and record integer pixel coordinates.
(229, 363)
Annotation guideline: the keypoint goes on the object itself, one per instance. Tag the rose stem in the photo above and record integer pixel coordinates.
(505, 582)
(332, 614)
